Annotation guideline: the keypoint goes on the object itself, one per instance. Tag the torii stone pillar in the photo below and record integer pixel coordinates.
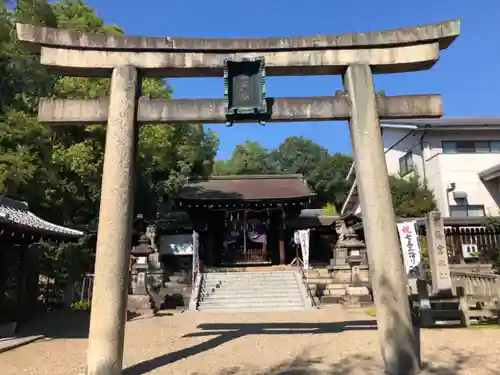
(356, 56)
(109, 297)
(394, 320)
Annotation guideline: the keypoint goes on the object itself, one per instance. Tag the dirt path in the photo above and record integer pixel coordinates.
(329, 341)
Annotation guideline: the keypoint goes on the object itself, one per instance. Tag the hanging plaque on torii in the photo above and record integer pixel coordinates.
(245, 89)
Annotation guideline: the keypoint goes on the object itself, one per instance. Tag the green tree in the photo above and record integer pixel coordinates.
(298, 155)
(325, 173)
(58, 171)
(66, 261)
(328, 179)
(247, 158)
(410, 197)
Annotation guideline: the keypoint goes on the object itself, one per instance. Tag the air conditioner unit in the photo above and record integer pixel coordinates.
(469, 251)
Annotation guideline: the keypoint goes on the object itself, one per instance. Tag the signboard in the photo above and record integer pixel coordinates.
(438, 254)
(244, 87)
(412, 255)
(176, 244)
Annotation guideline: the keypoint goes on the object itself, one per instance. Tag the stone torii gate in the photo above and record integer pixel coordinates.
(354, 56)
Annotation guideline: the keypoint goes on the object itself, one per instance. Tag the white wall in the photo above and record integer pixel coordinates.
(398, 142)
(441, 169)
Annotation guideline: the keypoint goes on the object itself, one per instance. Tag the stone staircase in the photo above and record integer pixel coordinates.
(252, 291)
(324, 287)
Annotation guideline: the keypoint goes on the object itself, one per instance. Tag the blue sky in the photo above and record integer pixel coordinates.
(468, 74)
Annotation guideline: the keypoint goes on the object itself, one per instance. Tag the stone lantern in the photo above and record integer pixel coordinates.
(140, 254)
(350, 257)
(348, 246)
(147, 274)
(356, 256)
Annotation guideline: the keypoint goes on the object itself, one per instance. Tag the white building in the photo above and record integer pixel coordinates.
(458, 158)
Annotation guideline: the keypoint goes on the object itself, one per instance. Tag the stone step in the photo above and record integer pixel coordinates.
(275, 291)
(320, 272)
(263, 297)
(325, 300)
(331, 286)
(246, 309)
(251, 286)
(327, 292)
(256, 277)
(249, 304)
(251, 291)
(250, 274)
(249, 282)
(320, 280)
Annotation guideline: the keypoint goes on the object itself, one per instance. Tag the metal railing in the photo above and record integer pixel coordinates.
(304, 278)
(195, 291)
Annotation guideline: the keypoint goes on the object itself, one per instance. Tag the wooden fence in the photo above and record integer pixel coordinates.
(457, 238)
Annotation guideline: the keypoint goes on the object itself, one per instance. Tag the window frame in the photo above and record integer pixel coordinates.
(404, 159)
(457, 148)
(467, 207)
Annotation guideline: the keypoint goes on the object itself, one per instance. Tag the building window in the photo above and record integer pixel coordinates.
(467, 210)
(406, 164)
(468, 147)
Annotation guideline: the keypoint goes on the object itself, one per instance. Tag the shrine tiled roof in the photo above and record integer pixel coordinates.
(246, 188)
(17, 213)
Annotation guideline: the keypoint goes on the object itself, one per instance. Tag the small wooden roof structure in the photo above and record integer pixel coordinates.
(16, 216)
(231, 191)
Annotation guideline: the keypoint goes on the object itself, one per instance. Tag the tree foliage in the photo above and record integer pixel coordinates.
(410, 197)
(65, 261)
(58, 171)
(326, 173)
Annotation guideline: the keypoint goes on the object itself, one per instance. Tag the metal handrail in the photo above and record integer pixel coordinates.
(195, 292)
(303, 276)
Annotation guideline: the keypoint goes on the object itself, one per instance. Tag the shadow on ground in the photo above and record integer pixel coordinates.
(356, 364)
(67, 324)
(227, 332)
(58, 324)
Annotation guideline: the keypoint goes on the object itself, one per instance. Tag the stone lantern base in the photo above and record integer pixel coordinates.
(357, 296)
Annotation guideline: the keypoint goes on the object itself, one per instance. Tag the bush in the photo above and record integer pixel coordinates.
(80, 306)
(411, 199)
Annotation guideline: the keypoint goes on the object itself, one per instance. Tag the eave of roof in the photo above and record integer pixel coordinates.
(17, 214)
(246, 188)
(446, 123)
(490, 173)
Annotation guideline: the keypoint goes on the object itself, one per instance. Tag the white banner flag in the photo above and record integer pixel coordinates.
(304, 245)
(196, 255)
(412, 255)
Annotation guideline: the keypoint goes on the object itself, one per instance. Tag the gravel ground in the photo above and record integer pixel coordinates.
(297, 343)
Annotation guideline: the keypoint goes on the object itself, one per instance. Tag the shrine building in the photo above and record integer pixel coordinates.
(241, 219)
(20, 232)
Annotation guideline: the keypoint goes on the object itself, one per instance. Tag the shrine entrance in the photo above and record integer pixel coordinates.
(245, 237)
(244, 64)
(241, 219)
